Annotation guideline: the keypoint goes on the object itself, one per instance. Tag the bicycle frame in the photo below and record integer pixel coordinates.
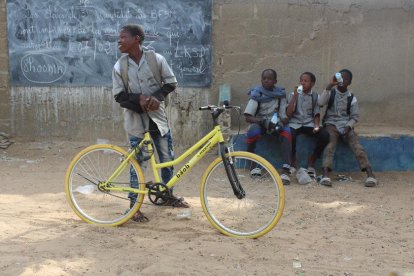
(206, 143)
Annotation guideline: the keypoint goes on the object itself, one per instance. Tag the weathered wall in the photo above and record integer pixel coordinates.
(88, 113)
(372, 38)
(4, 88)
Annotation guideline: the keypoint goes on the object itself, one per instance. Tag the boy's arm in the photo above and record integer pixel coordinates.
(167, 77)
(253, 120)
(316, 121)
(317, 117)
(131, 101)
(354, 114)
(282, 111)
(249, 114)
(292, 103)
(324, 96)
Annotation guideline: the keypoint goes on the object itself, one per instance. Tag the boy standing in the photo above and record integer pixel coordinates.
(264, 102)
(341, 115)
(141, 81)
(304, 118)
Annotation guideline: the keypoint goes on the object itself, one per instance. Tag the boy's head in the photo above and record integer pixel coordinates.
(130, 37)
(307, 80)
(347, 79)
(135, 30)
(269, 78)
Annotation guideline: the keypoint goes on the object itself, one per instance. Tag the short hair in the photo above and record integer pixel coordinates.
(271, 70)
(135, 29)
(311, 75)
(348, 72)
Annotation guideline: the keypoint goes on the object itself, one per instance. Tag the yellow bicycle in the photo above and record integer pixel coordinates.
(241, 193)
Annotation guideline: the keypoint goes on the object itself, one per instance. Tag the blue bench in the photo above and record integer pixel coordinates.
(394, 153)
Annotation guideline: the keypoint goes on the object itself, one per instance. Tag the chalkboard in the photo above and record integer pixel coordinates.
(74, 42)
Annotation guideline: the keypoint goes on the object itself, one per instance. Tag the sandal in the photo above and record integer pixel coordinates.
(177, 202)
(326, 181)
(139, 217)
(311, 172)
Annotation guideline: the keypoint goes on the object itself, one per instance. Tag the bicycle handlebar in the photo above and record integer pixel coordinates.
(226, 105)
(217, 110)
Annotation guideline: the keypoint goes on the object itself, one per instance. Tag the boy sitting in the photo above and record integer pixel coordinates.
(304, 118)
(341, 115)
(264, 102)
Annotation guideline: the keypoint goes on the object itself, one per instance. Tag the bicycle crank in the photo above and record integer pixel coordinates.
(158, 193)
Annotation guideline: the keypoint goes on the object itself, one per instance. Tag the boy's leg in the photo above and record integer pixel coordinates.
(133, 141)
(353, 140)
(285, 137)
(164, 147)
(322, 139)
(294, 133)
(165, 150)
(254, 133)
(329, 154)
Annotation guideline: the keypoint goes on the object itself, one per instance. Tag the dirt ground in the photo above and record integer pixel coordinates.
(344, 230)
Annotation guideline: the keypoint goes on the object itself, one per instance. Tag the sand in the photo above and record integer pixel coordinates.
(344, 230)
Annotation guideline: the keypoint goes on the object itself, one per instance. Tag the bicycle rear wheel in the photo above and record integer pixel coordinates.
(95, 165)
(258, 211)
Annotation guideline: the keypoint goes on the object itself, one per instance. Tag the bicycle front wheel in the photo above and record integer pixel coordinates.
(95, 165)
(258, 211)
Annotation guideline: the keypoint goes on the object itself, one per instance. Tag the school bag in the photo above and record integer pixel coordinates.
(332, 99)
(314, 102)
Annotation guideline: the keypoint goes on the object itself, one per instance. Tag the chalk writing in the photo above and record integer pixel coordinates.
(74, 42)
(42, 68)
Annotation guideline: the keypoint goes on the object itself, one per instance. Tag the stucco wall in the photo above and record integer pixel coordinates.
(372, 38)
(4, 86)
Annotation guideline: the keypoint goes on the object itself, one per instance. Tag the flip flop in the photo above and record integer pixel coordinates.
(371, 182)
(285, 179)
(177, 202)
(139, 217)
(312, 172)
(326, 181)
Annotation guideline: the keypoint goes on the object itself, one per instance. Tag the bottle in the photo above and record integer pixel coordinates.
(303, 177)
(300, 89)
(275, 120)
(184, 214)
(338, 78)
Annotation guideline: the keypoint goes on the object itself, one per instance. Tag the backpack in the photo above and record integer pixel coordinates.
(314, 102)
(258, 107)
(332, 99)
(152, 64)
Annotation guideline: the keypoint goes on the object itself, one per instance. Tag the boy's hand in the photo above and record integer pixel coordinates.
(332, 83)
(347, 130)
(295, 91)
(149, 103)
(316, 130)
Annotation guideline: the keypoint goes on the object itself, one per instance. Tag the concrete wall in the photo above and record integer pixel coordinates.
(372, 38)
(5, 121)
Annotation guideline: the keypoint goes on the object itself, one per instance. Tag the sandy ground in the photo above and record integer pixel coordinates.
(344, 230)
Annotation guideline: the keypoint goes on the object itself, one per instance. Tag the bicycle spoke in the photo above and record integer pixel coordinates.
(95, 166)
(251, 216)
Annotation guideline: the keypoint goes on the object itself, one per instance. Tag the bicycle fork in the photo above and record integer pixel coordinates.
(231, 172)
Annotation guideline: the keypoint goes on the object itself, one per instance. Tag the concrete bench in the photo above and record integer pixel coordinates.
(385, 153)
